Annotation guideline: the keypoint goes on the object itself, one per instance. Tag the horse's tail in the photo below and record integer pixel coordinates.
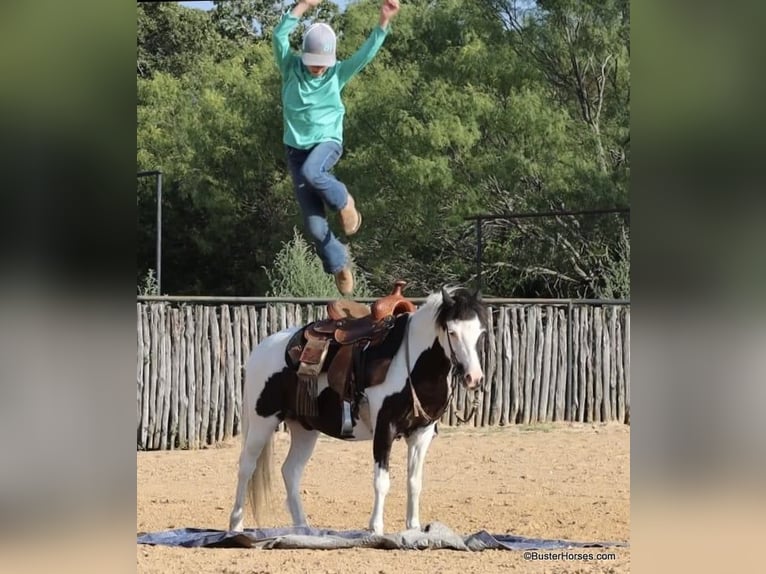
(259, 485)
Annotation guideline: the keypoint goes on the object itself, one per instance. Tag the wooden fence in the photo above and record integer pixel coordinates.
(538, 366)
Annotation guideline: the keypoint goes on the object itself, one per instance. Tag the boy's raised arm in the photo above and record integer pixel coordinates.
(364, 55)
(281, 39)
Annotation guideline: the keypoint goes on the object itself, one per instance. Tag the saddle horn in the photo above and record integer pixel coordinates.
(447, 297)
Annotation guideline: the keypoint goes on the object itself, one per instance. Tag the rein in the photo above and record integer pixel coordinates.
(417, 408)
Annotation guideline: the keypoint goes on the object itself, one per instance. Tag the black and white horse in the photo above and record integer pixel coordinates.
(420, 352)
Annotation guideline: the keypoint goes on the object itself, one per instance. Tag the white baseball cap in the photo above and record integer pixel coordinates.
(319, 46)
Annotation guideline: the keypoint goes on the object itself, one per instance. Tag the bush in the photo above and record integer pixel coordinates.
(149, 284)
(617, 272)
(298, 272)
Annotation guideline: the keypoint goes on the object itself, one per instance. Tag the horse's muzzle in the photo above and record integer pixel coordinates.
(472, 380)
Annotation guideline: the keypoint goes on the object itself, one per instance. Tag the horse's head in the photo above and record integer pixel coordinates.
(461, 318)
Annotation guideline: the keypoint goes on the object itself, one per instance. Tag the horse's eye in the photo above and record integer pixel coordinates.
(450, 332)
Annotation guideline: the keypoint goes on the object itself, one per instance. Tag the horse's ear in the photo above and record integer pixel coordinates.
(446, 297)
(477, 293)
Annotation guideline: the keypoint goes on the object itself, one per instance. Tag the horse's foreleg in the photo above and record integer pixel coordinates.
(381, 451)
(302, 443)
(417, 447)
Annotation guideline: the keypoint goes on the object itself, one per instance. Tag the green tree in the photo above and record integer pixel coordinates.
(213, 131)
(171, 37)
(575, 74)
(581, 48)
(245, 21)
(470, 107)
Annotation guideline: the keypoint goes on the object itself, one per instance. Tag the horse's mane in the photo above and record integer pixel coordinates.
(466, 306)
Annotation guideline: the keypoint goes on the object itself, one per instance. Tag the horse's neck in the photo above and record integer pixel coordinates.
(422, 331)
(430, 383)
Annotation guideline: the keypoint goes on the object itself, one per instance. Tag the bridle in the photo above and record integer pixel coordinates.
(456, 370)
(458, 375)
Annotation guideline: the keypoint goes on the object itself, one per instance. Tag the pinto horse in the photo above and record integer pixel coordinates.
(422, 350)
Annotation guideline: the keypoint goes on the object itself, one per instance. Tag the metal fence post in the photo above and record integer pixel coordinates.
(158, 181)
(570, 392)
(478, 254)
(159, 232)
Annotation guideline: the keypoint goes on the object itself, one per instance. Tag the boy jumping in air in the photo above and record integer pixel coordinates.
(313, 127)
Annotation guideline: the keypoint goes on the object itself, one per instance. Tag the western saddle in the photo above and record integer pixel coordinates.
(350, 328)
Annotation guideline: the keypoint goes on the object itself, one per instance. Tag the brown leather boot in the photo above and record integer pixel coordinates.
(350, 218)
(344, 280)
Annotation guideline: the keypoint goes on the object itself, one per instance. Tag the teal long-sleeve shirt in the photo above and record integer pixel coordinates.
(312, 110)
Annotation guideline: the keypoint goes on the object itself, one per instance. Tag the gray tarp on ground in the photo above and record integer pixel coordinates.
(433, 536)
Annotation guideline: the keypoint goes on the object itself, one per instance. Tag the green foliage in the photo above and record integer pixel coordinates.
(243, 19)
(149, 285)
(170, 37)
(488, 106)
(297, 272)
(617, 269)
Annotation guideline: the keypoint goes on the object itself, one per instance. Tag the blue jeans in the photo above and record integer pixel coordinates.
(316, 187)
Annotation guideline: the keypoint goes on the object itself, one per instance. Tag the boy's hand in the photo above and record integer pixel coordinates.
(388, 10)
(302, 6)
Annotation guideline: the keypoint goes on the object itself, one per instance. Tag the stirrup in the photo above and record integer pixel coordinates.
(347, 428)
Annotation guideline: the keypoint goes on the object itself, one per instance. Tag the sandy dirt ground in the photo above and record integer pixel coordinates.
(560, 480)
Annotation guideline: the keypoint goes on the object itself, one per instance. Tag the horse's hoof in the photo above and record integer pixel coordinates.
(236, 522)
